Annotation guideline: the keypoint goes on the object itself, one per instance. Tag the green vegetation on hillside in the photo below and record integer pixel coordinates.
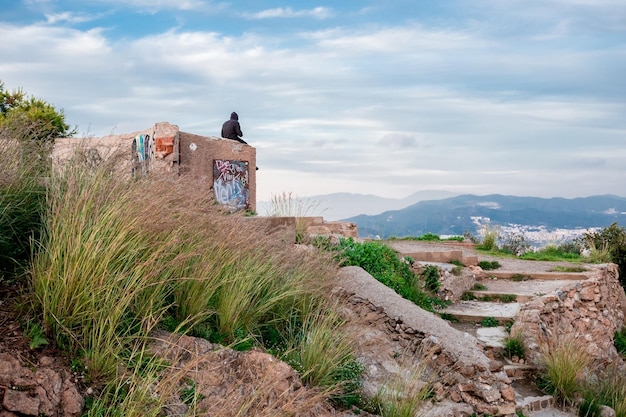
(609, 245)
(383, 263)
(430, 237)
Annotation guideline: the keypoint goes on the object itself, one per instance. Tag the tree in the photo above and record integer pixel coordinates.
(613, 239)
(30, 118)
(28, 128)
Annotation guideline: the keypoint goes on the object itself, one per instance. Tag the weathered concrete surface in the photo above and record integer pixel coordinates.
(357, 280)
(479, 310)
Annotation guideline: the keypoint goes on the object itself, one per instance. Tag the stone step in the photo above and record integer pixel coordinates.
(444, 256)
(523, 290)
(517, 371)
(495, 296)
(476, 311)
(529, 276)
(491, 337)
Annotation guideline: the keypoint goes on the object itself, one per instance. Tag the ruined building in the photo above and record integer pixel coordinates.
(225, 167)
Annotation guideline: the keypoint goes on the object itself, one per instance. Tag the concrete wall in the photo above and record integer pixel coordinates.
(223, 167)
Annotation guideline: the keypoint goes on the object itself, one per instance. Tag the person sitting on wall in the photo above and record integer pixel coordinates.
(232, 130)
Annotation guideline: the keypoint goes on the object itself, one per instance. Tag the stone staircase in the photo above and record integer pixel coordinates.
(499, 300)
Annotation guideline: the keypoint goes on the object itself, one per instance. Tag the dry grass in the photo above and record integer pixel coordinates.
(565, 364)
(117, 257)
(406, 393)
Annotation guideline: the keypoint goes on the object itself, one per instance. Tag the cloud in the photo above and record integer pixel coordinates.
(399, 140)
(156, 5)
(379, 106)
(288, 12)
(69, 17)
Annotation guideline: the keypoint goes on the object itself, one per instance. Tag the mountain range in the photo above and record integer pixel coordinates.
(461, 213)
(339, 206)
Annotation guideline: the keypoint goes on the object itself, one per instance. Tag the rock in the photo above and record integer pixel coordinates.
(606, 411)
(46, 391)
(21, 402)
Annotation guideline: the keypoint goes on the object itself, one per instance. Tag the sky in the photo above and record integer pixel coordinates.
(391, 97)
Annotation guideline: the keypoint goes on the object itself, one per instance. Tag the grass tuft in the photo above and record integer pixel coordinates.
(564, 364)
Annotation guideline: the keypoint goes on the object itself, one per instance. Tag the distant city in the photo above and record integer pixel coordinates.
(537, 236)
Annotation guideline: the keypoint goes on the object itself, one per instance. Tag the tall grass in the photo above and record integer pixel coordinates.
(405, 393)
(22, 197)
(119, 258)
(314, 339)
(490, 235)
(287, 204)
(98, 277)
(565, 364)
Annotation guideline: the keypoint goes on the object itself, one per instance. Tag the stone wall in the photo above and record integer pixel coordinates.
(587, 311)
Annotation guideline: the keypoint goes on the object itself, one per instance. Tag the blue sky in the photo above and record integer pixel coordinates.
(374, 97)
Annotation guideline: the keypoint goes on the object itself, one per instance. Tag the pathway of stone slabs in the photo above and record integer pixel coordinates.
(539, 281)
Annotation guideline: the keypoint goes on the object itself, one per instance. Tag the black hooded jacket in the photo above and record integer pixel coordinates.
(231, 128)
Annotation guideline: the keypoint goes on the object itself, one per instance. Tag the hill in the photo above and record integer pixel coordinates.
(456, 215)
(337, 206)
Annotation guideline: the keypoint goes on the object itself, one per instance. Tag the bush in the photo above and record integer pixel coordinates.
(489, 265)
(564, 364)
(430, 275)
(515, 244)
(514, 346)
(383, 263)
(490, 238)
(552, 253)
(611, 239)
(489, 322)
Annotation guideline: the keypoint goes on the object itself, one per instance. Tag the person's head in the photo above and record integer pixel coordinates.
(234, 116)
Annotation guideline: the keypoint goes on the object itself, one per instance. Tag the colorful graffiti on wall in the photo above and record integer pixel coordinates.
(143, 153)
(230, 182)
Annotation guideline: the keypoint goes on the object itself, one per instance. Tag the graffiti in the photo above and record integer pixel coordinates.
(230, 182)
(92, 158)
(143, 153)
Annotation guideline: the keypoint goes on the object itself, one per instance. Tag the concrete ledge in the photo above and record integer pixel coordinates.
(444, 256)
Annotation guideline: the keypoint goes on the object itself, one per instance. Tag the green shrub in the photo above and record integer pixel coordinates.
(478, 286)
(468, 296)
(383, 263)
(609, 245)
(552, 253)
(520, 277)
(507, 298)
(430, 275)
(514, 346)
(489, 265)
(489, 322)
(490, 238)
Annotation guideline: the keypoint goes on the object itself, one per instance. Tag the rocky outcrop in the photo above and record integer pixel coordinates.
(226, 382)
(45, 389)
